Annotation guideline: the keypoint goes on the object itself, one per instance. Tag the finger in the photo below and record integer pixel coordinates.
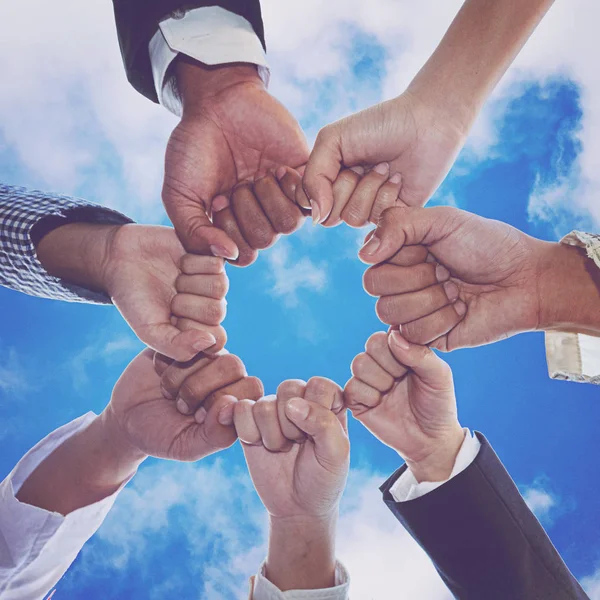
(289, 389)
(216, 434)
(174, 343)
(423, 361)
(438, 324)
(360, 396)
(409, 256)
(225, 220)
(194, 264)
(378, 349)
(175, 373)
(161, 363)
(403, 308)
(252, 221)
(324, 392)
(386, 197)
(360, 205)
(332, 447)
(194, 228)
(388, 280)
(289, 180)
(265, 417)
(245, 425)
(208, 311)
(322, 169)
(209, 286)
(368, 370)
(217, 332)
(283, 214)
(400, 226)
(343, 188)
(248, 388)
(193, 385)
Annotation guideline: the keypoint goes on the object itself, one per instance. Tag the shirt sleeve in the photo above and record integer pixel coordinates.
(25, 217)
(576, 356)
(263, 589)
(211, 35)
(408, 488)
(38, 546)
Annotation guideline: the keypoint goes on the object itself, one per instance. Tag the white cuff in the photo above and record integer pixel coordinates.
(265, 590)
(408, 488)
(576, 356)
(38, 546)
(211, 35)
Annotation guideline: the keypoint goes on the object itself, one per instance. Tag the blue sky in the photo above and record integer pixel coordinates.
(197, 531)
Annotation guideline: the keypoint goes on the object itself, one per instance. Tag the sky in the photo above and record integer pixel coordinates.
(69, 122)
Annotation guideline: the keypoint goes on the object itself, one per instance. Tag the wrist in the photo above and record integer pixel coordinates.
(568, 289)
(437, 462)
(199, 83)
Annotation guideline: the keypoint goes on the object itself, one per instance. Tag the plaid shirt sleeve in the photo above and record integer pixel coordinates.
(25, 217)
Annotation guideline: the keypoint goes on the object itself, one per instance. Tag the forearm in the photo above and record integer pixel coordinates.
(85, 469)
(479, 46)
(302, 553)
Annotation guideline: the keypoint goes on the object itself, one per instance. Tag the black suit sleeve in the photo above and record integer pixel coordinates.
(137, 22)
(482, 538)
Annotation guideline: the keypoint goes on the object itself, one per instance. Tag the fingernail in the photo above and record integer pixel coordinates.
(441, 273)
(451, 290)
(460, 307)
(358, 170)
(182, 407)
(166, 393)
(371, 246)
(298, 407)
(226, 415)
(221, 252)
(219, 203)
(398, 341)
(396, 178)
(280, 173)
(209, 340)
(382, 169)
(316, 212)
(200, 415)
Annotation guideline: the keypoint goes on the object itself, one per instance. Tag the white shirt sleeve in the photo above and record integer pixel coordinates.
(576, 356)
(211, 35)
(408, 488)
(263, 589)
(38, 546)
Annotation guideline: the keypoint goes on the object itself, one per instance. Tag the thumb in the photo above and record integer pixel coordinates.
(195, 230)
(323, 426)
(406, 226)
(322, 169)
(423, 361)
(178, 345)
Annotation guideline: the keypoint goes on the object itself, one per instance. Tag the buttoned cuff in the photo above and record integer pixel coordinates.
(576, 356)
(265, 590)
(211, 35)
(407, 487)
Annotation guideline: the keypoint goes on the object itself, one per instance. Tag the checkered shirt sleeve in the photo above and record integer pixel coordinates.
(25, 217)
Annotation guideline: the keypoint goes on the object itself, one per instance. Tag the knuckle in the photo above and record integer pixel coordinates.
(353, 216)
(385, 310)
(289, 222)
(178, 304)
(215, 312)
(264, 407)
(230, 365)
(376, 343)
(321, 385)
(414, 332)
(359, 364)
(169, 380)
(370, 281)
(254, 388)
(219, 286)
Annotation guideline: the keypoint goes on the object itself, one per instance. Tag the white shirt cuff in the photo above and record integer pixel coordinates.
(408, 488)
(576, 356)
(211, 35)
(265, 590)
(38, 546)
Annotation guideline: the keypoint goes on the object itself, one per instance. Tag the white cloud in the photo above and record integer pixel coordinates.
(291, 275)
(545, 504)
(13, 377)
(539, 501)
(591, 584)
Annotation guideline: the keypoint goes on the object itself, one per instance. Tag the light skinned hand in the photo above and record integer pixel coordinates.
(297, 479)
(231, 158)
(484, 287)
(150, 421)
(404, 395)
(411, 142)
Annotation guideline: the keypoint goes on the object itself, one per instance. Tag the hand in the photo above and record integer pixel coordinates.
(305, 479)
(231, 139)
(146, 418)
(404, 395)
(485, 289)
(411, 141)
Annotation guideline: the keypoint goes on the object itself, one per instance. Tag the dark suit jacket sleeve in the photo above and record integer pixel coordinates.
(482, 538)
(137, 22)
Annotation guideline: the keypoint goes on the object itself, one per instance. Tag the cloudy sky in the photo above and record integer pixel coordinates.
(69, 122)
